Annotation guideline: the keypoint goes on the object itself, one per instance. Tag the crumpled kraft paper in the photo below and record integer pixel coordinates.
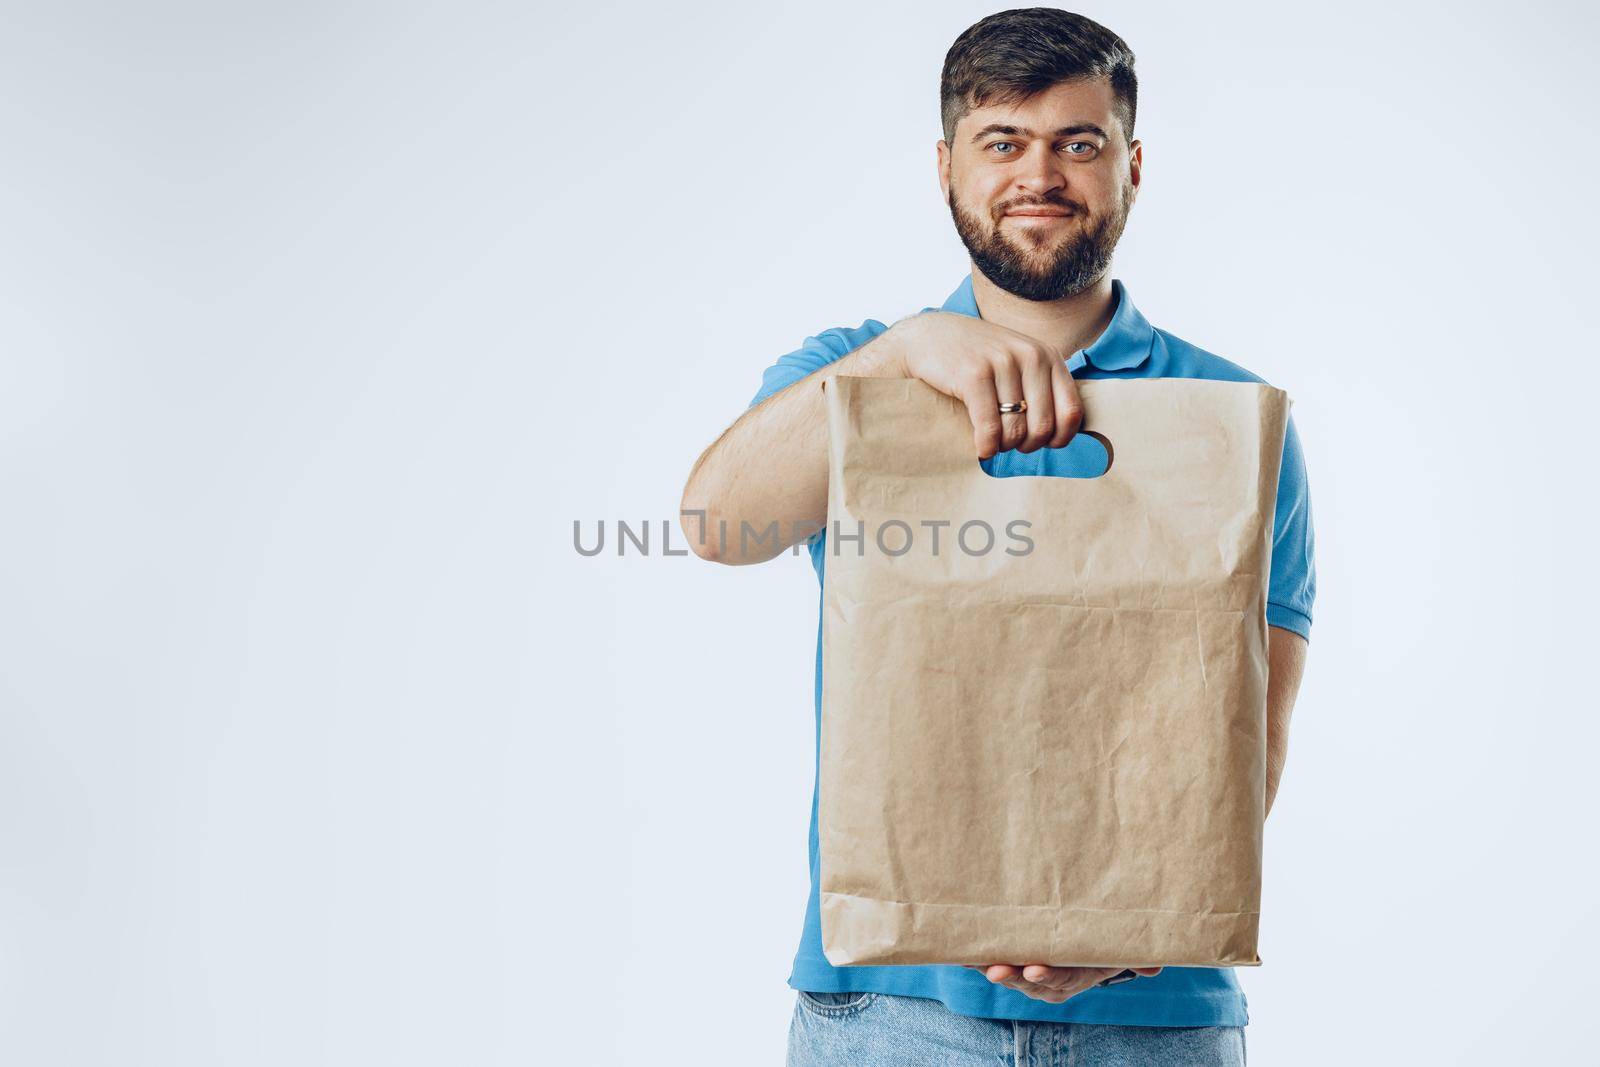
(1053, 754)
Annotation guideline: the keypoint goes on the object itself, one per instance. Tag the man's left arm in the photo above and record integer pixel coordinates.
(1286, 662)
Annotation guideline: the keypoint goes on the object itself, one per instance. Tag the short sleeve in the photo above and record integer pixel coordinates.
(813, 354)
(1292, 586)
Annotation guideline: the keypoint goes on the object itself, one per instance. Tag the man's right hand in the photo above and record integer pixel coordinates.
(771, 465)
(982, 364)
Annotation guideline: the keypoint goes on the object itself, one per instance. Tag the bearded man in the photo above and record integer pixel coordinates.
(1040, 169)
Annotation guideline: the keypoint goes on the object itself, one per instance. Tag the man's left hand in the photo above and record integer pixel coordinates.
(1052, 984)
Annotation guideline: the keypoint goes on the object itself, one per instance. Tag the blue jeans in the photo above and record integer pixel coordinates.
(882, 1029)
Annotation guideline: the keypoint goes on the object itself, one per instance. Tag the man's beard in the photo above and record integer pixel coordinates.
(1012, 261)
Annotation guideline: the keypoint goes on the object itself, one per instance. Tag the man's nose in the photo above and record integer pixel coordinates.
(1040, 171)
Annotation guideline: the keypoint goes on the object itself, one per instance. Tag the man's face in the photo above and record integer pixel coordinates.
(1040, 191)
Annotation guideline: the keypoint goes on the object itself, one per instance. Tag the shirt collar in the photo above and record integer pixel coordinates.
(1123, 345)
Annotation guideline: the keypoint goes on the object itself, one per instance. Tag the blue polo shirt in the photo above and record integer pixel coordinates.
(1179, 996)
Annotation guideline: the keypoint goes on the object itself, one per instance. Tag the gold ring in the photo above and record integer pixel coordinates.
(1013, 409)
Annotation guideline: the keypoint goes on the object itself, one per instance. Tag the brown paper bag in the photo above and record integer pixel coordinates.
(1055, 755)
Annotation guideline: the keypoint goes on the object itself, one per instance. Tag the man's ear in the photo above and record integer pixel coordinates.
(942, 150)
(1135, 165)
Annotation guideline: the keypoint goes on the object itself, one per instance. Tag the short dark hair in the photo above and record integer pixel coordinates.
(1012, 55)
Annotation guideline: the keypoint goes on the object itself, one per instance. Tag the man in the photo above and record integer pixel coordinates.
(1040, 169)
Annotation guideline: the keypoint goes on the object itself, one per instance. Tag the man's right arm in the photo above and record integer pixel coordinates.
(742, 479)
(762, 486)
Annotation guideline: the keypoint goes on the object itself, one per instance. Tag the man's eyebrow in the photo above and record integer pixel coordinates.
(1065, 131)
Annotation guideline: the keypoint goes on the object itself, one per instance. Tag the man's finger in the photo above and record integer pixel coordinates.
(1009, 387)
(1038, 387)
(1068, 408)
(1049, 977)
(983, 408)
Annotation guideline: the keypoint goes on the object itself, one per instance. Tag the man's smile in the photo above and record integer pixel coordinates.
(1039, 219)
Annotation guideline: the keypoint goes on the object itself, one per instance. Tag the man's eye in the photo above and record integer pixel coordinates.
(1003, 144)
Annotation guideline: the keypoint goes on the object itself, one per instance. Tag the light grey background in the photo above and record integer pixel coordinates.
(321, 323)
